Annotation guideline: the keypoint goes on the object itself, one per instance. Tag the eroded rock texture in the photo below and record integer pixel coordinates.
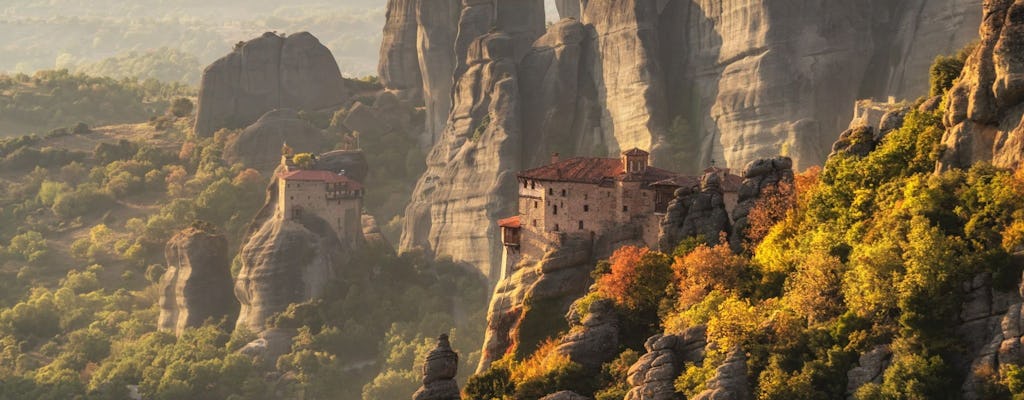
(197, 283)
(439, 370)
(870, 369)
(555, 118)
(267, 73)
(593, 338)
(653, 376)
(766, 176)
(398, 68)
(286, 261)
(699, 213)
(992, 331)
(564, 395)
(438, 23)
(259, 145)
(550, 286)
(470, 179)
(730, 380)
(984, 116)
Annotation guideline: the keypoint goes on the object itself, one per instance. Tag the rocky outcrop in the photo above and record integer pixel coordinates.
(984, 119)
(730, 380)
(398, 68)
(531, 302)
(556, 117)
(470, 177)
(593, 337)
(270, 345)
(991, 330)
(266, 73)
(766, 176)
(196, 286)
(653, 376)
(259, 145)
(285, 261)
(522, 20)
(439, 370)
(870, 369)
(438, 22)
(696, 214)
(564, 395)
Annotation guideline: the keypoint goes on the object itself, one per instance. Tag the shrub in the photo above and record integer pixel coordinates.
(181, 107)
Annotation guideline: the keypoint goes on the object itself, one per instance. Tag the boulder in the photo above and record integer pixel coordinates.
(696, 213)
(869, 369)
(196, 286)
(761, 177)
(363, 119)
(564, 395)
(266, 73)
(259, 144)
(270, 345)
(653, 376)
(593, 338)
(730, 380)
(439, 370)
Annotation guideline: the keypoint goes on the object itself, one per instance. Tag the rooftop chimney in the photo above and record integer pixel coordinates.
(554, 158)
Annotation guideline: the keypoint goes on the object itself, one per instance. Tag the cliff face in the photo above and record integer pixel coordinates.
(197, 283)
(470, 178)
(437, 26)
(692, 81)
(267, 73)
(259, 144)
(983, 116)
(398, 68)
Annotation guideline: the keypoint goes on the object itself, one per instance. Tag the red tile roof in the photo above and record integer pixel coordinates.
(591, 170)
(510, 222)
(309, 175)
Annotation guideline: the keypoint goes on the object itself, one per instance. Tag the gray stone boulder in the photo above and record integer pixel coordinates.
(730, 380)
(653, 376)
(593, 338)
(870, 369)
(439, 370)
(197, 284)
(564, 395)
(266, 73)
(259, 144)
(696, 214)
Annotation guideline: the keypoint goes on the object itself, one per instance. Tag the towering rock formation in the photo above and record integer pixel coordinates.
(437, 27)
(470, 177)
(398, 68)
(259, 145)
(558, 116)
(983, 118)
(593, 337)
(197, 283)
(522, 20)
(439, 370)
(629, 79)
(267, 73)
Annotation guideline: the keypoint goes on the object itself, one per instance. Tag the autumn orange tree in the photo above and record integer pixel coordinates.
(637, 280)
(709, 268)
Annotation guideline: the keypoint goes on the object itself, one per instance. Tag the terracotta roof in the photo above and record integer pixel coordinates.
(591, 170)
(309, 175)
(635, 152)
(510, 222)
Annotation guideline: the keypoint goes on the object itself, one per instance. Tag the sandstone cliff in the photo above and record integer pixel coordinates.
(470, 177)
(398, 68)
(197, 283)
(267, 73)
(983, 116)
(438, 22)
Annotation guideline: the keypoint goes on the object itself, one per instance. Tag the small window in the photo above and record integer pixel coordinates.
(533, 185)
(556, 227)
(586, 208)
(534, 223)
(556, 210)
(293, 198)
(581, 225)
(563, 192)
(524, 184)
(551, 191)
(535, 204)
(625, 208)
